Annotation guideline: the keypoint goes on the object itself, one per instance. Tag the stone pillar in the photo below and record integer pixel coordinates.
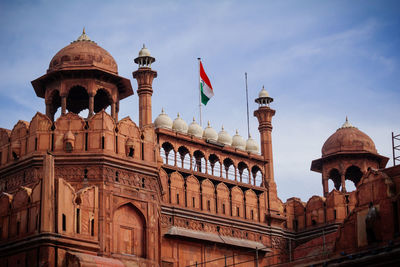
(47, 198)
(264, 115)
(63, 105)
(113, 110)
(144, 77)
(343, 181)
(325, 186)
(91, 106)
(48, 111)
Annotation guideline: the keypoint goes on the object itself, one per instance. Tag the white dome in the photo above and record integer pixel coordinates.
(251, 145)
(195, 129)
(238, 141)
(163, 121)
(144, 52)
(263, 93)
(179, 125)
(224, 137)
(210, 133)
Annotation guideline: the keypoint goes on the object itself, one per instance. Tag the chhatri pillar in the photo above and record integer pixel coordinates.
(144, 76)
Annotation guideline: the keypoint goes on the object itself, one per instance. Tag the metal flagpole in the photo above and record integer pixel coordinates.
(247, 101)
(199, 59)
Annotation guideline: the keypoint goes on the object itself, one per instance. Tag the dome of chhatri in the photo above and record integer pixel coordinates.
(348, 139)
(83, 54)
(251, 145)
(209, 133)
(195, 129)
(144, 52)
(263, 93)
(179, 125)
(238, 141)
(163, 121)
(224, 137)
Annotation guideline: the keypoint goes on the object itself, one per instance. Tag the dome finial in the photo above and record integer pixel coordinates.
(83, 36)
(83, 31)
(162, 111)
(347, 124)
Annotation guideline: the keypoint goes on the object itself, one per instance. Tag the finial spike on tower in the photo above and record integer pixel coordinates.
(83, 31)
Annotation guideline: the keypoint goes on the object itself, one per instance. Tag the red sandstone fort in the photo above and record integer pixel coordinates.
(105, 191)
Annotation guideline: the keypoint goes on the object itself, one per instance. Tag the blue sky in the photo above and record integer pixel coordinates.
(319, 60)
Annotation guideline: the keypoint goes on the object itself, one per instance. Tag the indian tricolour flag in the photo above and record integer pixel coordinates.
(205, 86)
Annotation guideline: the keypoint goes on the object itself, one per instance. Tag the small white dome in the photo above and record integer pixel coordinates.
(144, 52)
(195, 129)
(263, 93)
(251, 145)
(163, 121)
(238, 141)
(210, 133)
(179, 125)
(224, 137)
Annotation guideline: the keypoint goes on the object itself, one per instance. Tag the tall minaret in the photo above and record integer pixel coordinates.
(264, 115)
(144, 76)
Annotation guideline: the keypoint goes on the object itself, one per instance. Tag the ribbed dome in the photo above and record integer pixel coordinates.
(238, 141)
(348, 139)
(210, 133)
(224, 137)
(163, 121)
(251, 145)
(180, 125)
(83, 54)
(195, 129)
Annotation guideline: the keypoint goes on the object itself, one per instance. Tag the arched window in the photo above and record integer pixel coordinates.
(257, 176)
(168, 154)
(334, 175)
(199, 162)
(243, 172)
(229, 169)
(77, 100)
(102, 100)
(214, 165)
(354, 174)
(184, 157)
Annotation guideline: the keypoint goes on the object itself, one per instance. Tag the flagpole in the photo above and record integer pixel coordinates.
(247, 101)
(199, 59)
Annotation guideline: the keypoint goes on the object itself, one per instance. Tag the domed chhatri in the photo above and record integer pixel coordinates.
(209, 133)
(224, 137)
(251, 145)
(238, 141)
(144, 60)
(195, 129)
(83, 54)
(163, 121)
(179, 125)
(263, 98)
(348, 139)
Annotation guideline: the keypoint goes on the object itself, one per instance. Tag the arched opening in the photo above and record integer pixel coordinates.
(168, 154)
(257, 176)
(229, 169)
(199, 162)
(354, 174)
(55, 103)
(101, 100)
(334, 175)
(243, 172)
(77, 100)
(184, 157)
(214, 165)
(129, 231)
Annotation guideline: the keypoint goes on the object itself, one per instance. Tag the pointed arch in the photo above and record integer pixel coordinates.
(230, 170)
(129, 233)
(177, 189)
(208, 192)
(167, 152)
(237, 202)
(251, 205)
(257, 176)
(193, 192)
(184, 157)
(244, 173)
(223, 204)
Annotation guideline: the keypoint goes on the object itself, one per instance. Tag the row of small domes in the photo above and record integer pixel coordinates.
(223, 137)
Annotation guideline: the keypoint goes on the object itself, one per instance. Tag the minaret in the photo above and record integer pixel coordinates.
(144, 76)
(264, 115)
